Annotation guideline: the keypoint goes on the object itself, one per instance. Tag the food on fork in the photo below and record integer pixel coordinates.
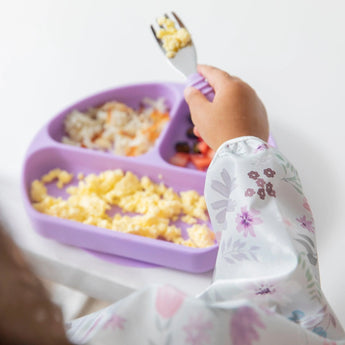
(178, 47)
(116, 127)
(143, 207)
(173, 39)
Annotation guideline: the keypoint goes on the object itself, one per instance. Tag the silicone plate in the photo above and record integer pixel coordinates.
(46, 152)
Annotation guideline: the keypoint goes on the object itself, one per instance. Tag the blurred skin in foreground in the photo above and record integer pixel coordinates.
(27, 314)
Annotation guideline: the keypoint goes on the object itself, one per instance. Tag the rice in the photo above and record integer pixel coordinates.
(117, 128)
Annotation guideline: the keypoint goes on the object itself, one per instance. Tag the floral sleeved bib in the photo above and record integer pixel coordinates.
(266, 286)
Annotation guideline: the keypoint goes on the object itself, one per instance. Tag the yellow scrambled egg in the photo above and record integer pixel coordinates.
(155, 206)
(173, 39)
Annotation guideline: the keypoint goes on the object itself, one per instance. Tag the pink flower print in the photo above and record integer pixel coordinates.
(287, 222)
(306, 205)
(260, 182)
(269, 189)
(253, 175)
(243, 326)
(115, 322)
(246, 221)
(197, 330)
(261, 193)
(168, 301)
(269, 172)
(306, 224)
(249, 192)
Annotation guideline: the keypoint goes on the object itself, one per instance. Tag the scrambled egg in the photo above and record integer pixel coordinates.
(155, 206)
(173, 39)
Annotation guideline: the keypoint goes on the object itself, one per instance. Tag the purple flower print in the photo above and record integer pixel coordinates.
(261, 193)
(197, 330)
(243, 326)
(249, 192)
(261, 147)
(306, 224)
(270, 294)
(269, 189)
(246, 221)
(253, 175)
(265, 289)
(269, 172)
(260, 182)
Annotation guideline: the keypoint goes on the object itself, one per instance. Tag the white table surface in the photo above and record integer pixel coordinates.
(53, 53)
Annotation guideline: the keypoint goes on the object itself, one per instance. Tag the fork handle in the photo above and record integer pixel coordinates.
(197, 81)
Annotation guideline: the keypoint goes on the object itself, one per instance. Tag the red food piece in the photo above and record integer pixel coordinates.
(201, 161)
(180, 159)
(210, 153)
(202, 146)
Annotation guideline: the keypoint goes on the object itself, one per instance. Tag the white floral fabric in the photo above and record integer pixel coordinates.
(266, 286)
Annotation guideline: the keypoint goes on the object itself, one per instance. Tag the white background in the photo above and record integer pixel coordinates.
(53, 53)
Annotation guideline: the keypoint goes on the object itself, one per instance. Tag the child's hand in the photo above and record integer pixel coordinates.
(235, 111)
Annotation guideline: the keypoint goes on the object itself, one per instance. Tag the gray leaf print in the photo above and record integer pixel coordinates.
(226, 177)
(228, 260)
(220, 216)
(224, 204)
(308, 239)
(236, 251)
(221, 188)
(219, 204)
(312, 256)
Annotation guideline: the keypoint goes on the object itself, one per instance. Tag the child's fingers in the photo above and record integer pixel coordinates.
(215, 77)
(197, 102)
(196, 132)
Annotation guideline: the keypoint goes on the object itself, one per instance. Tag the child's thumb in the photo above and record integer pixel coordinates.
(196, 100)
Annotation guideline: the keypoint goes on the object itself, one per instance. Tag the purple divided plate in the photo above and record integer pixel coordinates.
(46, 152)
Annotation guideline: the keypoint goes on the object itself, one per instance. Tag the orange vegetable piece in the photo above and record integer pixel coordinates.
(202, 146)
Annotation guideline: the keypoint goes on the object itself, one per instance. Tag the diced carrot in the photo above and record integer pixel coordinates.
(108, 116)
(97, 136)
(132, 151)
(157, 115)
(109, 110)
(126, 134)
(200, 161)
(180, 159)
(153, 133)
